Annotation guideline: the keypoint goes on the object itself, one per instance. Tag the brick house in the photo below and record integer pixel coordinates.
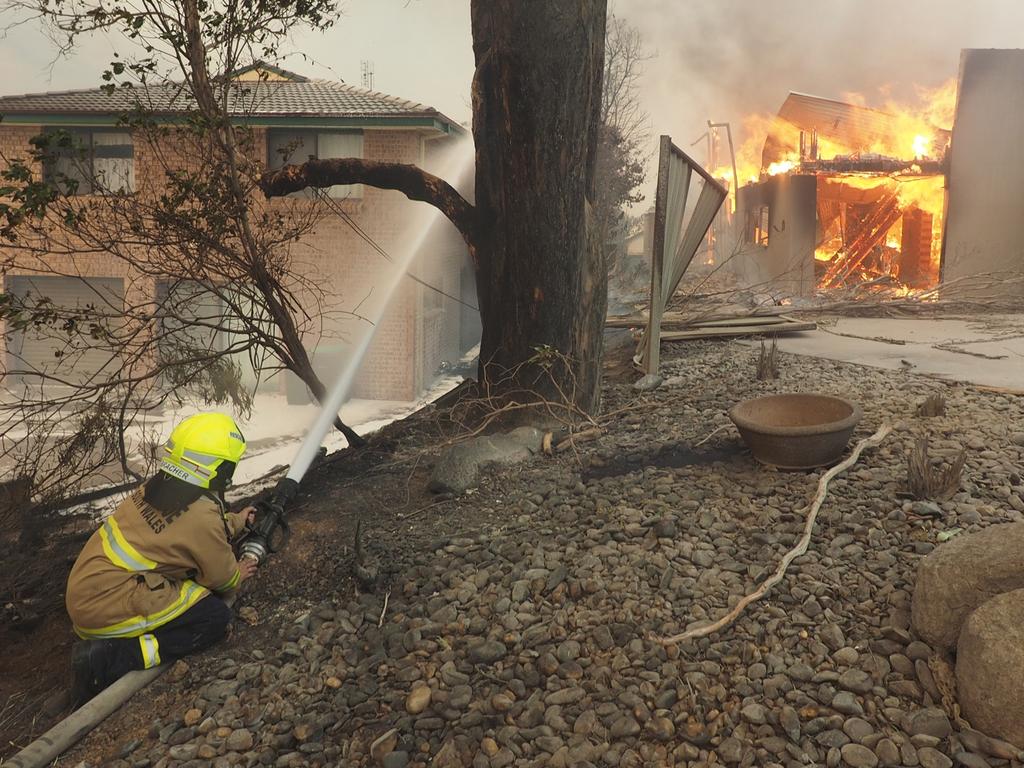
(298, 117)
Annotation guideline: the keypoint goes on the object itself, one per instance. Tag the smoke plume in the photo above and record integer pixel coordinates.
(724, 59)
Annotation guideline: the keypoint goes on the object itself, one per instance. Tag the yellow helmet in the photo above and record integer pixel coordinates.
(199, 445)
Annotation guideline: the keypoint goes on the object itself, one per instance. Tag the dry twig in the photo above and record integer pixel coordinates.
(799, 549)
(506, 395)
(579, 437)
(934, 405)
(421, 510)
(959, 351)
(711, 434)
(968, 295)
(927, 482)
(767, 363)
(384, 610)
(880, 339)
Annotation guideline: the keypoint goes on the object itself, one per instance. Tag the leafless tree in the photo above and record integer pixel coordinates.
(621, 106)
(623, 136)
(211, 280)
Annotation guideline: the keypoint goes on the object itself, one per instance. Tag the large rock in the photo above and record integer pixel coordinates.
(648, 383)
(459, 468)
(959, 576)
(990, 667)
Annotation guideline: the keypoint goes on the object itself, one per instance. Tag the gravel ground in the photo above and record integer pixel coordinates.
(525, 640)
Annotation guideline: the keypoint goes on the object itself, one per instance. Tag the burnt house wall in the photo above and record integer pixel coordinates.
(777, 233)
(984, 227)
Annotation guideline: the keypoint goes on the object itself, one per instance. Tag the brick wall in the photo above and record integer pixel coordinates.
(355, 277)
(348, 274)
(413, 337)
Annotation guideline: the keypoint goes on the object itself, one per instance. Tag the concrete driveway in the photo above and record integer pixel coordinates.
(987, 350)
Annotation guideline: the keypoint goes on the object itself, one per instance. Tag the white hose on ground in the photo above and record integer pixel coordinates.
(74, 727)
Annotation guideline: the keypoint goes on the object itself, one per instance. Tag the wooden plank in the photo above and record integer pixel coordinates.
(725, 322)
(998, 390)
(869, 234)
(751, 330)
(677, 318)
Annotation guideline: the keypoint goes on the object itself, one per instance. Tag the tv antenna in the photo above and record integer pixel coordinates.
(367, 68)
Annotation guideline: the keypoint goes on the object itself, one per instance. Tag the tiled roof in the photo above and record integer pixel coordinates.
(279, 98)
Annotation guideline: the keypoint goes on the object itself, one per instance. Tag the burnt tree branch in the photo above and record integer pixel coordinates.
(413, 182)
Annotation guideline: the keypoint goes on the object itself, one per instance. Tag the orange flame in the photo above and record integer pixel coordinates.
(919, 133)
(916, 135)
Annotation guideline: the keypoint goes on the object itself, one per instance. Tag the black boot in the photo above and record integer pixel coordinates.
(89, 660)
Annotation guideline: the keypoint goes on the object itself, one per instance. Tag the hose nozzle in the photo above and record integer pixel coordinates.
(270, 531)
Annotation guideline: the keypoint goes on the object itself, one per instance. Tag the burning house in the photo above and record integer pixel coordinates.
(842, 195)
(831, 195)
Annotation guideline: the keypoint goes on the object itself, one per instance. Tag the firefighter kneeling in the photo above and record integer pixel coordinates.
(148, 586)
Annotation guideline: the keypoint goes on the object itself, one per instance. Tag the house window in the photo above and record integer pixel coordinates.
(86, 161)
(292, 147)
(758, 225)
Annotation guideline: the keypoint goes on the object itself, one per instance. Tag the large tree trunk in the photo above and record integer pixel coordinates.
(536, 104)
(541, 278)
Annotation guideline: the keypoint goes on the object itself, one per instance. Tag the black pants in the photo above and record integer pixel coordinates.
(199, 627)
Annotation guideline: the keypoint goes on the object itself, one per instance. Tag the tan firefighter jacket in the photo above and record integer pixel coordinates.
(143, 568)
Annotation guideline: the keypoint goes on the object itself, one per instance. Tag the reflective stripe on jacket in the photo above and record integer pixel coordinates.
(142, 568)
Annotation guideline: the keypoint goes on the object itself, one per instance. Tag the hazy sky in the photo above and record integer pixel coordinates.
(717, 59)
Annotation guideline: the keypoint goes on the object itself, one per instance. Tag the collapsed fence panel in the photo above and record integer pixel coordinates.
(677, 234)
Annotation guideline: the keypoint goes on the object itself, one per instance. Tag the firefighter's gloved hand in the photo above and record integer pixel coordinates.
(247, 568)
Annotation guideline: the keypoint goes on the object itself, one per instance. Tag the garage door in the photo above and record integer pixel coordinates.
(47, 350)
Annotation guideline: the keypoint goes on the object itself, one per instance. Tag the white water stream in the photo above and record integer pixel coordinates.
(392, 274)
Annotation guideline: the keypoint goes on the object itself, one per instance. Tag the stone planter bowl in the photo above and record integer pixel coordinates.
(796, 431)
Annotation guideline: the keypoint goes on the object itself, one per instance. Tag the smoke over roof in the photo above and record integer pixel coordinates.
(725, 59)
